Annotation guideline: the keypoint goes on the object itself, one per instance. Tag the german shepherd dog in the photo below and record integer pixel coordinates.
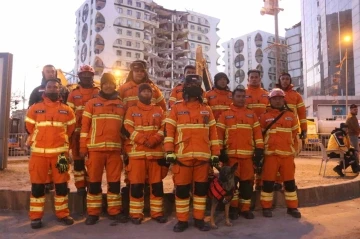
(226, 180)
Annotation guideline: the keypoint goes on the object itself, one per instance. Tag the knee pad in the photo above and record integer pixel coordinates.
(183, 191)
(290, 186)
(137, 190)
(61, 189)
(79, 165)
(157, 189)
(95, 188)
(201, 189)
(37, 190)
(114, 187)
(268, 186)
(246, 189)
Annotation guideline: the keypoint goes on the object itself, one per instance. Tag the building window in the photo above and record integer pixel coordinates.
(192, 18)
(192, 36)
(192, 45)
(128, 43)
(118, 52)
(119, 10)
(129, 23)
(206, 22)
(137, 34)
(138, 4)
(119, 41)
(137, 55)
(129, 33)
(128, 65)
(206, 30)
(206, 48)
(128, 54)
(129, 2)
(119, 31)
(199, 38)
(129, 12)
(118, 63)
(137, 44)
(137, 24)
(119, 1)
(138, 15)
(199, 28)
(192, 27)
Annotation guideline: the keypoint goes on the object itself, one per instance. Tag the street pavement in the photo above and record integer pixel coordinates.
(336, 220)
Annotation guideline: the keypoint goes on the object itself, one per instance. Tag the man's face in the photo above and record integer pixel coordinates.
(108, 88)
(239, 99)
(222, 83)
(146, 94)
(254, 79)
(138, 75)
(52, 87)
(354, 111)
(190, 71)
(277, 102)
(285, 81)
(49, 72)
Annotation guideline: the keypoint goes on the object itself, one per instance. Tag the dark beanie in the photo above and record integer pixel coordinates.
(138, 65)
(343, 125)
(144, 86)
(107, 77)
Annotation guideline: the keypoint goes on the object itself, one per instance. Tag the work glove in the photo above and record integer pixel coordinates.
(170, 157)
(214, 161)
(258, 159)
(224, 158)
(62, 164)
(163, 162)
(303, 134)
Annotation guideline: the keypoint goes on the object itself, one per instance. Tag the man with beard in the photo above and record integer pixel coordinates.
(50, 124)
(77, 100)
(145, 125)
(191, 140)
(100, 139)
(219, 98)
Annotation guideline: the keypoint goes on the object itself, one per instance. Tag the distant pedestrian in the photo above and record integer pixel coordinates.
(353, 129)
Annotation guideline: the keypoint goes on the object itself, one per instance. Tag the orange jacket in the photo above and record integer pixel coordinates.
(191, 131)
(50, 125)
(77, 100)
(257, 99)
(144, 122)
(101, 125)
(237, 122)
(280, 138)
(219, 101)
(130, 90)
(295, 102)
(177, 95)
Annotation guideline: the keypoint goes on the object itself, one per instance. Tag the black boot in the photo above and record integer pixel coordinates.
(91, 220)
(136, 221)
(338, 170)
(180, 226)
(36, 223)
(233, 213)
(201, 225)
(247, 214)
(294, 212)
(160, 219)
(120, 217)
(267, 212)
(66, 220)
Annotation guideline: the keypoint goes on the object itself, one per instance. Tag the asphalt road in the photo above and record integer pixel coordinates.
(337, 220)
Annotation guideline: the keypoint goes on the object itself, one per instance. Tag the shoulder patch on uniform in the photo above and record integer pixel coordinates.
(204, 112)
(39, 111)
(247, 96)
(136, 115)
(183, 113)
(250, 115)
(63, 112)
(270, 119)
(212, 97)
(229, 117)
(41, 90)
(119, 106)
(98, 104)
(288, 118)
(156, 115)
(77, 96)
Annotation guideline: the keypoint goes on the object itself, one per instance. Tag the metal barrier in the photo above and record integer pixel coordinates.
(310, 147)
(17, 144)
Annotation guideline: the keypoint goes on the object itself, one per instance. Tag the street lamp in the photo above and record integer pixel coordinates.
(347, 39)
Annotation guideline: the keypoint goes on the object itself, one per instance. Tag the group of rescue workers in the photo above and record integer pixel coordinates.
(129, 128)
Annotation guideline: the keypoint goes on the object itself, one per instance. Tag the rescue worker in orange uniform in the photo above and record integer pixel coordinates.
(191, 140)
(145, 125)
(219, 98)
(177, 92)
(295, 102)
(100, 139)
(50, 124)
(257, 100)
(77, 100)
(239, 120)
(129, 90)
(280, 128)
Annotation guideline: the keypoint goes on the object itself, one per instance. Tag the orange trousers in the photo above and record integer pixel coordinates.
(79, 175)
(39, 168)
(195, 171)
(245, 173)
(141, 171)
(97, 161)
(286, 166)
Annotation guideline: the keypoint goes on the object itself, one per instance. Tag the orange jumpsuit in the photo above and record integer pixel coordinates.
(232, 123)
(279, 156)
(100, 136)
(50, 125)
(77, 100)
(191, 135)
(177, 95)
(219, 101)
(145, 122)
(129, 94)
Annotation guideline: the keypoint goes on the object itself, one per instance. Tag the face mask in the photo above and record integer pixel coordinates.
(52, 96)
(193, 91)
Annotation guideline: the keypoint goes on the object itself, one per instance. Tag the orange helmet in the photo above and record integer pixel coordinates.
(276, 92)
(86, 68)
